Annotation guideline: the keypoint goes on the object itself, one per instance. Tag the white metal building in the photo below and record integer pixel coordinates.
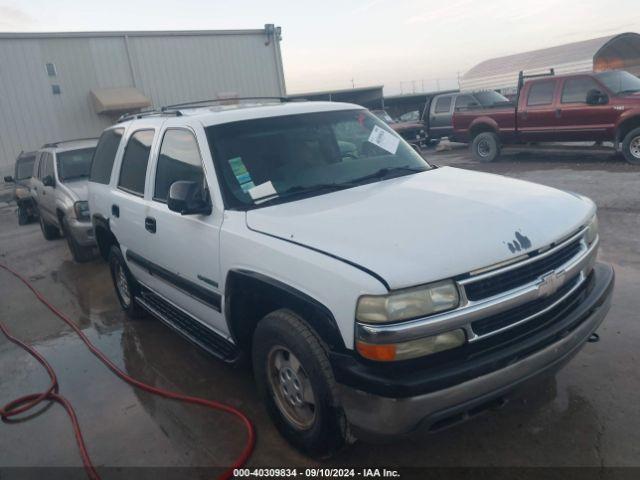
(620, 51)
(58, 86)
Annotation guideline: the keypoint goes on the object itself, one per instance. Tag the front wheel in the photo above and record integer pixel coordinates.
(50, 232)
(296, 383)
(485, 147)
(126, 286)
(23, 215)
(631, 147)
(79, 253)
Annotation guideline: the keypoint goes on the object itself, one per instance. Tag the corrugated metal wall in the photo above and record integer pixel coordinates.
(167, 67)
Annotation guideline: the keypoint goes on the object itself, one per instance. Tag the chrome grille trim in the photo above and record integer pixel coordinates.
(468, 311)
(528, 261)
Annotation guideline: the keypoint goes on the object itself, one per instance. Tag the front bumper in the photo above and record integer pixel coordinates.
(380, 415)
(82, 232)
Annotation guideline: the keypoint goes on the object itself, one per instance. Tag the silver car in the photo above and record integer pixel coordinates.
(59, 189)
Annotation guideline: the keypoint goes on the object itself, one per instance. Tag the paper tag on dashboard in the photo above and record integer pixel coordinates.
(263, 190)
(384, 139)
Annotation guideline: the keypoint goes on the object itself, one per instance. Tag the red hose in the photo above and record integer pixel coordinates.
(27, 402)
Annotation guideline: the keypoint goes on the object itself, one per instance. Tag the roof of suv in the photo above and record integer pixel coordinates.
(218, 114)
(67, 145)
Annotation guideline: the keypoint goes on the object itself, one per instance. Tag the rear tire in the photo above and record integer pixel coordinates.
(50, 232)
(296, 383)
(23, 215)
(127, 289)
(631, 147)
(79, 253)
(485, 147)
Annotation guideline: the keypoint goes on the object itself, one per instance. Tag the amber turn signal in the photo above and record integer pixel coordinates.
(380, 353)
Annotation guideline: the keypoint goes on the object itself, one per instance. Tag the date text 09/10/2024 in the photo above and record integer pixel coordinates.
(315, 473)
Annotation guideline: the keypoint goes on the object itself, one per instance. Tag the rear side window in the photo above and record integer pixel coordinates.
(465, 102)
(541, 93)
(443, 105)
(575, 90)
(105, 155)
(134, 162)
(179, 160)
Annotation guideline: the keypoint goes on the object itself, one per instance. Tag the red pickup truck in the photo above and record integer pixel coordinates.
(572, 108)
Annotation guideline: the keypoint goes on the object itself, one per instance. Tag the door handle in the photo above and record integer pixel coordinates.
(115, 210)
(558, 112)
(150, 224)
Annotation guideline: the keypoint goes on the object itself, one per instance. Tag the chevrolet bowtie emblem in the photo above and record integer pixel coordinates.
(550, 283)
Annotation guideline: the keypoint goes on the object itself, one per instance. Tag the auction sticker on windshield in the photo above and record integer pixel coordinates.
(383, 139)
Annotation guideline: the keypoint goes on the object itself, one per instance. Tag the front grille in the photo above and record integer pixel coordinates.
(516, 314)
(517, 277)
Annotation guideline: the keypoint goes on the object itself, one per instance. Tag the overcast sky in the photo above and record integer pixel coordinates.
(403, 44)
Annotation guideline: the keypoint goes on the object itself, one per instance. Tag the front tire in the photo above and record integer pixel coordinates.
(79, 253)
(631, 147)
(296, 383)
(485, 147)
(23, 215)
(50, 232)
(126, 286)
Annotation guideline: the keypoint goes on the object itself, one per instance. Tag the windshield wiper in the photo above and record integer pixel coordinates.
(383, 173)
(631, 90)
(298, 190)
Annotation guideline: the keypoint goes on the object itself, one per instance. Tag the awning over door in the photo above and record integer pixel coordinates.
(118, 100)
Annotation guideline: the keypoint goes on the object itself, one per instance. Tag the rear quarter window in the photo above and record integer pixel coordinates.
(105, 155)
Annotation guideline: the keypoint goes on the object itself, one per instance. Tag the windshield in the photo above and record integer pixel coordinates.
(412, 116)
(619, 81)
(490, 98)
(277, 159)
(384, 116)
(74, 164)
(24, 168)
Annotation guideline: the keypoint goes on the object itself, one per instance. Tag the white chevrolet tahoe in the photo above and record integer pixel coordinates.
(374, 292)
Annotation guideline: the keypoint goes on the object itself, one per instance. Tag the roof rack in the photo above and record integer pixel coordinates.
(213, 101)
(145, 113)
(56, 144)
(175, 108)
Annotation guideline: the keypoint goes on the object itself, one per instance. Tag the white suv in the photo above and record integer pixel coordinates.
(375, 293)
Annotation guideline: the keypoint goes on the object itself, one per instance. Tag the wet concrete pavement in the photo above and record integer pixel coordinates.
(588, 415)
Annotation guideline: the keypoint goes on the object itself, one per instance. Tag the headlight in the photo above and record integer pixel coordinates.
(82, 210)
(409, 303)
(592, 230)
(413, 348)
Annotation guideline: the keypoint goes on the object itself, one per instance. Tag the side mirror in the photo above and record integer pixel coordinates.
(188, 198)
(596, 97)
(48, 181)
(8, 179)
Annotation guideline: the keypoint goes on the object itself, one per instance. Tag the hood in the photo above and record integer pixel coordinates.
(78, 188)
(428, 226)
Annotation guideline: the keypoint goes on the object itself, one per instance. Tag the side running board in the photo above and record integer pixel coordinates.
(190, 328)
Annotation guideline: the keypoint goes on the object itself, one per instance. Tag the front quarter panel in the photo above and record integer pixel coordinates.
(331, 282)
